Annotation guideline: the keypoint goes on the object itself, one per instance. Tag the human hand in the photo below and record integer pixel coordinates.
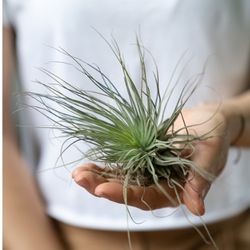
(209, 154)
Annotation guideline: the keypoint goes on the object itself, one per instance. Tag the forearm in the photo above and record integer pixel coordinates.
(26, 225)
(237, 113)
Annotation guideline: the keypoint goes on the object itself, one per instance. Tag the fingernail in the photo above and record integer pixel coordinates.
(74, 174)
(202, 206)
(99, 192)
(83, 182)
(77, 178)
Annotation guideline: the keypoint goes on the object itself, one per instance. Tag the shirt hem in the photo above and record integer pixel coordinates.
(149, 225)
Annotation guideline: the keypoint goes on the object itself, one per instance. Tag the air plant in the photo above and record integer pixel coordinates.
(130, 136)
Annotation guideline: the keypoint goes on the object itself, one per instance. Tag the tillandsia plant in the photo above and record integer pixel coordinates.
(130, 136)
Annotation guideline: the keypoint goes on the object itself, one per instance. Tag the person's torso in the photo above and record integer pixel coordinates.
(187, 33)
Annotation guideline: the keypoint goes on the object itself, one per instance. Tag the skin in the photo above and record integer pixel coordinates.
(23, 218)
(25, 224)
(225, 123)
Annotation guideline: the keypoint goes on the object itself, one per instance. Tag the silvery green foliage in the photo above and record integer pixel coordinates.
(131, 133)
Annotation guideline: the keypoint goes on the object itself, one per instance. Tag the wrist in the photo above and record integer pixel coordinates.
(235, 122)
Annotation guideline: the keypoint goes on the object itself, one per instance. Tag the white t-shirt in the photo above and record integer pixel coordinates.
(215, 30)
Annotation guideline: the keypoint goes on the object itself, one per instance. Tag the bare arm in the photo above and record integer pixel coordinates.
(235, 110)
(26, 225)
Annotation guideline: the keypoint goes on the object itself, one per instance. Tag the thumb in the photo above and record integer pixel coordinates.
(195, 190)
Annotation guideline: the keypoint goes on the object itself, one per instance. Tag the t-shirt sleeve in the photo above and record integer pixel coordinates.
(7, 21)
